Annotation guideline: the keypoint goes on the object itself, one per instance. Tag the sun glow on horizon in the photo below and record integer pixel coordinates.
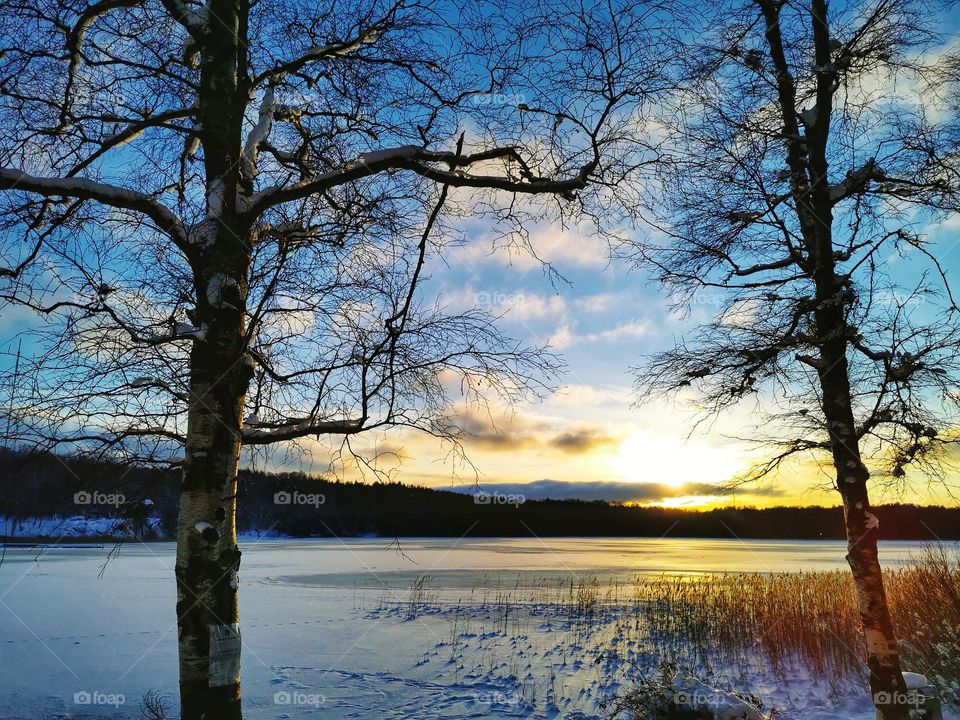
(692, 502)
(670, 460)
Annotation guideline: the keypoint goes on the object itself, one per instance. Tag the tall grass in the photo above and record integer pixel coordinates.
(925, 600)
(810, 619)
(740, 622)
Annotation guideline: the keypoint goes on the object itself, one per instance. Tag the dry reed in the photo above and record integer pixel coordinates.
(738, 621)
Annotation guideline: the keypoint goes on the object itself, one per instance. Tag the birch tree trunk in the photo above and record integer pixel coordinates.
(886, 679)
(208, 557)
(331, 104)
(883, 660)
(775, 145)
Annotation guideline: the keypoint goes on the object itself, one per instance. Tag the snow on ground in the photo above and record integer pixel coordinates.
(74, 526)
(344, 626)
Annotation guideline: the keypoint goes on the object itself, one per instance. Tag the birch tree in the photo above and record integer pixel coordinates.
(812, 157)
(217, 219)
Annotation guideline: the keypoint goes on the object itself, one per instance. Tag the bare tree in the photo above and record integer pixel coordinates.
(217, 218)
(813, 147)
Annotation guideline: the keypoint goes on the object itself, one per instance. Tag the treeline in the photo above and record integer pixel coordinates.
(295, 504)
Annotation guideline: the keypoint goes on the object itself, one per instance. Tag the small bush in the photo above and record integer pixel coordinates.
(672, 695)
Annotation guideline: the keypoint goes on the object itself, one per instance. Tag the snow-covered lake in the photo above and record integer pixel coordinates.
(327, 624)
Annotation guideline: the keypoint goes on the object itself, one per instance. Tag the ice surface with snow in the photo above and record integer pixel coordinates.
(351, 629)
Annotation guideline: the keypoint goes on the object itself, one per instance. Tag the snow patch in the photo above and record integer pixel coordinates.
(809, 116)
(915, 681)
(259, 134)
(215, 193)
(405, 151)
(74, 526)
(203, 233)
(216, 287)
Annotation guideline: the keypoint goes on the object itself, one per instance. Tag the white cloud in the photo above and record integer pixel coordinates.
(518, 305)
(630, 329)
(565, 336)
(562, 247)
(562, 338)
(580, 396)
(531, 307)
(600, 302)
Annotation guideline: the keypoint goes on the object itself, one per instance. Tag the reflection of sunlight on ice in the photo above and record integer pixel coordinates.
(697, 501)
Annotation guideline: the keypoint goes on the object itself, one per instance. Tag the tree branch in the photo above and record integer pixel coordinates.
(85, 189)
(416, 159)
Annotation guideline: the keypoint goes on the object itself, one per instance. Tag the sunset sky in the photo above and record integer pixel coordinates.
(587, 439)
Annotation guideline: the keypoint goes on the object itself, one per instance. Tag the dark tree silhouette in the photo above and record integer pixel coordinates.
(813, 144)
(217, 217)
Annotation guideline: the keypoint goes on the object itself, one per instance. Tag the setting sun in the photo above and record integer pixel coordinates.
(670, 460)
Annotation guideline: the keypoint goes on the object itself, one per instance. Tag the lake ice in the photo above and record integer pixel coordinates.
(334, 625)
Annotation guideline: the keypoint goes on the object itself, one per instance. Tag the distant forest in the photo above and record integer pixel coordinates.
(299, 505)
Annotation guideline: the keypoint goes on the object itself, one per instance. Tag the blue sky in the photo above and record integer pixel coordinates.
(587, 438)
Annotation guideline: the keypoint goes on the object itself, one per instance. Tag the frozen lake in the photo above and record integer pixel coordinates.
(323, 624)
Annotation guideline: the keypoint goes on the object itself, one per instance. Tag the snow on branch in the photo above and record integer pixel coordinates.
(85, 189)
(444, 167)
(195, 22)
(856, 181)
(322, 52)
(262, 435)
(133, 129)
(259, 135)
(180, 331)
